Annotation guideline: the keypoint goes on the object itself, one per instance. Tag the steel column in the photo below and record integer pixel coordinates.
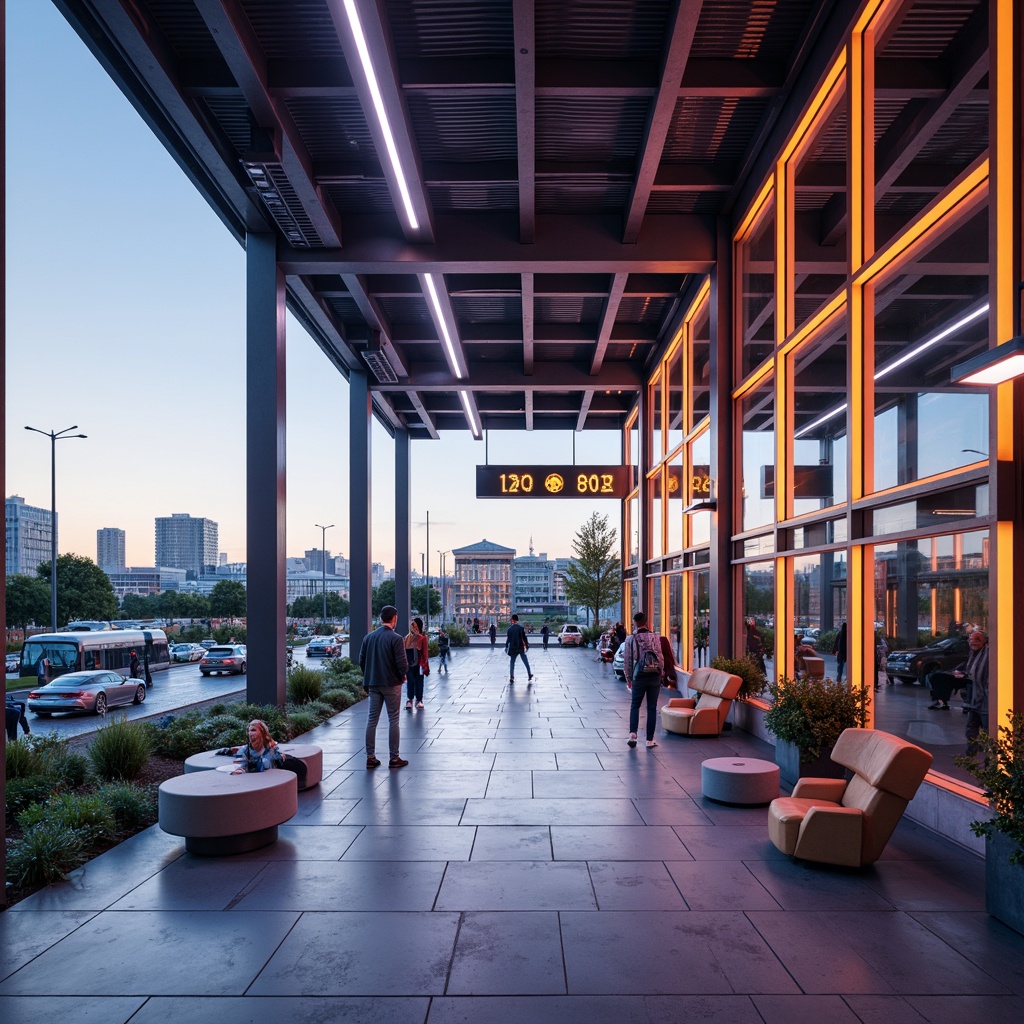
(724, 617)
(403, 540)
(360, 603)
(265, 472)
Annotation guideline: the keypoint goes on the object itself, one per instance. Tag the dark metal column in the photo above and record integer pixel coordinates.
(359, 413)
(403, 555)
(724, 617)
(265, 472)
(644, 503)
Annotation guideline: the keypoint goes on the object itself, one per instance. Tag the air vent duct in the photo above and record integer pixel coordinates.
(379, 364)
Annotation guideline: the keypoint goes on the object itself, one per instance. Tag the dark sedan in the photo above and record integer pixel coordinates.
(914, 664)
(86, 691)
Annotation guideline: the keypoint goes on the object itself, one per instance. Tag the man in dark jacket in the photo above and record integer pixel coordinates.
(516, 645)
(976, 670)
(382, 659)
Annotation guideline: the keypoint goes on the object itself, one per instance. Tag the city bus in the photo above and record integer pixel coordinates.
(104, 648)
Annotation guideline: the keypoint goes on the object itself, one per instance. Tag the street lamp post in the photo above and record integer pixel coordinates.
(54, 436)
(440, 555)
(323, 560)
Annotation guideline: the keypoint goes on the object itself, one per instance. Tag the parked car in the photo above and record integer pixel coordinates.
(570, 636)
(323, 647)
(94, 691)
(618, 661)
(913, 665)
(227, 659)
(187, 652)
(207, 644)
(13, 662)
(606, 645)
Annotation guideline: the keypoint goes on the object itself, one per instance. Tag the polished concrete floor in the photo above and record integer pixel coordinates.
(527, 866)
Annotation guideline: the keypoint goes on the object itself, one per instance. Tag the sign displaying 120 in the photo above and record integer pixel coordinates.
(553, 481)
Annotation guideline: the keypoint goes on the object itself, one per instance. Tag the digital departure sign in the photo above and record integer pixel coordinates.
(553, 481)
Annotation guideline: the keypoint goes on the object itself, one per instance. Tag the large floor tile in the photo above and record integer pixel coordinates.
(720, 885)
(24, 936)
(634, 885)
(155, 953)
(616, 842)
(385, 954)
(516, 885)
(549, 812)
(407, 809)
(798, 886)
(193, 883)
(667, 952)
(412, 843)
(512, 842)
(69, 1009)
(508, 954)
(290, 1009)
(344, 885)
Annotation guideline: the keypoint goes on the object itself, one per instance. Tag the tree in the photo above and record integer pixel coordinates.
(312, 607)
(28, 601)
(383, 593)
(419, 599)
(227, 599)
(594, 578)
(84, 590)
(138, 606)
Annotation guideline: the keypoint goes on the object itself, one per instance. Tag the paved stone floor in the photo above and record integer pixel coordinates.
(527, 866)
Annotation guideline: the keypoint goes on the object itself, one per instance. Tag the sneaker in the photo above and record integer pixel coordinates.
(372, 762)
(529, 679)
(935, 706)
(420, 704)
(510, 679)
(632, 739)
(945, 707)
(652, 743)
(397, 762)
(408, 705)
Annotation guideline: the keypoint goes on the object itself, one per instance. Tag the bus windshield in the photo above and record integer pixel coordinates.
(62, 655)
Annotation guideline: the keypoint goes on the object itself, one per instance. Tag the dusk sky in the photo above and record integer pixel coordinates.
(126, 316)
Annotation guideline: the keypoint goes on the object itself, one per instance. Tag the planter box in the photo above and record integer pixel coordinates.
(1004, 883)
(791, 768)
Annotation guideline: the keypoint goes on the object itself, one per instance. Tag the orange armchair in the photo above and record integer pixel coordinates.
(704, 715)
(848, 823)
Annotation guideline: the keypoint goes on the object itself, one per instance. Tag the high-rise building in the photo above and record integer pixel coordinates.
(27, 536)
(110, 549)
(184, 542)
(314, 559)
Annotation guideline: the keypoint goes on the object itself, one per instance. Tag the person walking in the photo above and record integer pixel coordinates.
(14, 712)
(839, 650)
(755, 647)
(134, 668)
(419, 665)
(492, 632)
(444, 644)
(516, 646)
(644, 664)
(545, 633)
(382, 659)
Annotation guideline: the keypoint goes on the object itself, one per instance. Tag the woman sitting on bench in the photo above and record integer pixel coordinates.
(262, 752)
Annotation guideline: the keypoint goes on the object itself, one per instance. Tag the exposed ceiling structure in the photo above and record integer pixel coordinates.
(504, 228)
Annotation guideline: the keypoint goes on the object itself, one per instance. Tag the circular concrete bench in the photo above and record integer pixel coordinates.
(739, 780)
(309, 753)
(219, 813)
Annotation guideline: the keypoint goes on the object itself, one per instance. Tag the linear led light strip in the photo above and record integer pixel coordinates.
(905, 358)
(469, 414)
(436, 302)
(378, 106)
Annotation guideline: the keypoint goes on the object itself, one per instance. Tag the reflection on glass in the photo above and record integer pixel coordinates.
(656, 506)
(758, 441)
(699, 524)
(676, 500)
(759, 605)
(757, 257)
(654, 396)
(700, 583)
(676, 400)
(700, 366)
(633, 529)
(675, 617)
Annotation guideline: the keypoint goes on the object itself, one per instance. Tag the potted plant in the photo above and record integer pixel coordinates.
(754, 682)
(806, 716)
(998, 766)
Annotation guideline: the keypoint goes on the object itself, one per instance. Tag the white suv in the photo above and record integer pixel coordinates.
(570, 636)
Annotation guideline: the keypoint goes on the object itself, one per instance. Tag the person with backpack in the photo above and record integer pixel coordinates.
(444, 644)
(644, 666)
(516, 646)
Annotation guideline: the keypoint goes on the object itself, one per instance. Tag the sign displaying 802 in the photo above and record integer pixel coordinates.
(553, 481)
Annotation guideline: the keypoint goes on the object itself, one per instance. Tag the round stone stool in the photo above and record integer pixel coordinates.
(739, 780)
(311, 754)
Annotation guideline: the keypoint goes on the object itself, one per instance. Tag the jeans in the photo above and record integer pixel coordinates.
(414, 683)
(442, 661)
(512, 665)
(14, 712)
(840, 665)
(378, 697)
(971, 730)
(650, 690)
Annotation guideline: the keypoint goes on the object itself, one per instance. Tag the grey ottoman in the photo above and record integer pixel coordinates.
(309, 753)
(739, 780)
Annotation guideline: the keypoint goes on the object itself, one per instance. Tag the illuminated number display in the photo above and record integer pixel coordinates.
(553, 481)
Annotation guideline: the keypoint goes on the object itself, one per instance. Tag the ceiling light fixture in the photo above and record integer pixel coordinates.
(442, 323)
(994, 365)
(470, 418)
(378, 106)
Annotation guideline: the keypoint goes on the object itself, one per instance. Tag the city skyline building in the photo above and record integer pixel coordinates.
(482, 584)
(27, 536)
(110, 549)
(186, 542)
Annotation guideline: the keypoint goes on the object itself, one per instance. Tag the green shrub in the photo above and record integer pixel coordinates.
(120, 749)
(21, 761)
(45, 854)
(320, 709)
(458, 636)
(304, 684)
(179, 739)
(23, 792)
(133, 807)
(338, 699)
(754, 681)
(433, 650)
(223, 634)
(811, 713)
(591, 635)
(87, 813)
(343, 666)
(229, 726)
(300, 722)
(274, 717)
(217, 709)
(73, 771)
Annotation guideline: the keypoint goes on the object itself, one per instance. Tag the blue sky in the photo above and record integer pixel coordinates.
(126, 316)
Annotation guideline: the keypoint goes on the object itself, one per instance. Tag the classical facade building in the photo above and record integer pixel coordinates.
(482, 587)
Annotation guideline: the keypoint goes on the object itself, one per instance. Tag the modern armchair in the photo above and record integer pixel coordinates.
(848, 823)
(705, 714)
